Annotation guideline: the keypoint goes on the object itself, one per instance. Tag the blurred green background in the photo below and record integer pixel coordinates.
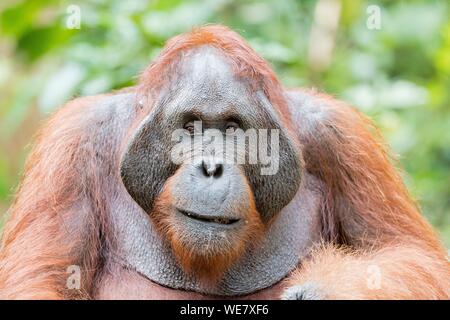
(395, 69)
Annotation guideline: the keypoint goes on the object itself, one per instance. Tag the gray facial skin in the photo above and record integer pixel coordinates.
(207, 90)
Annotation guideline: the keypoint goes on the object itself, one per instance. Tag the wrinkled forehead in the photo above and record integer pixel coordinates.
(206, 85)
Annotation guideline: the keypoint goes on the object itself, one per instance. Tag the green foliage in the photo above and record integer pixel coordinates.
(399, 74)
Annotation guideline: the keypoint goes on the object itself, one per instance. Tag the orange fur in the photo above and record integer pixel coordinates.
(367, 209)
(396, 271)
(366, 200)
(50, 226)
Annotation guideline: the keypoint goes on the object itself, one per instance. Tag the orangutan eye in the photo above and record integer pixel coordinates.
(231, 127)
(189, 126)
